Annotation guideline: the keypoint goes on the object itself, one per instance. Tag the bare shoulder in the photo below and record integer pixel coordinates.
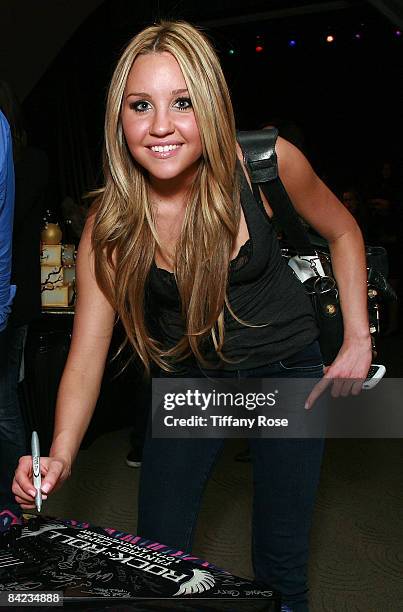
(312, 199)
(85, 252)
(86, 236)
(292, 163)
(91, 302)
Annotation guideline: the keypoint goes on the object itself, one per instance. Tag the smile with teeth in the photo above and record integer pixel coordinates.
(165, 149)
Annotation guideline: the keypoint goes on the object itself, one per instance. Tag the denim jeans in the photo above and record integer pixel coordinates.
(12, 431)
(285, 478)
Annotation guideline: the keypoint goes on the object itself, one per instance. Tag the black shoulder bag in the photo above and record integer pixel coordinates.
(261, 162)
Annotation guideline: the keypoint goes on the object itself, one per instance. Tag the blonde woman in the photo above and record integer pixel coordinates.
(178, 249)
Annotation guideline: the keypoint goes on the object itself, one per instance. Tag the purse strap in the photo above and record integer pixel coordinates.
(258, 147)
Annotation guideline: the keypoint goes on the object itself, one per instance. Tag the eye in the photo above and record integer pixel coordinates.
(140, 106)
(183, 104)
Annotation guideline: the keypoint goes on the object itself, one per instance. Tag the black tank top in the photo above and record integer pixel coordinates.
(262, 290)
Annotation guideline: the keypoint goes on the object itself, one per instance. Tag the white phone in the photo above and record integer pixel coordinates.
(375, 373)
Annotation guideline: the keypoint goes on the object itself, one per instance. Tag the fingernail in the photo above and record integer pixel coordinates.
(46, 487)
(306, 406)
(32, 492)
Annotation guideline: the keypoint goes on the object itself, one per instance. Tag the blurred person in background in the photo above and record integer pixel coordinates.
(352, 200)
(31, 177)
(384, 207)
(7, 292)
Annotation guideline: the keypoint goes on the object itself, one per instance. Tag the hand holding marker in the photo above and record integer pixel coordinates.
(36, 469)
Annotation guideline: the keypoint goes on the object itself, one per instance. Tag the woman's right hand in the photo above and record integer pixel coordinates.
(54, 471)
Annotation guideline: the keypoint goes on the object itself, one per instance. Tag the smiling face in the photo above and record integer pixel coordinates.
(158, 120)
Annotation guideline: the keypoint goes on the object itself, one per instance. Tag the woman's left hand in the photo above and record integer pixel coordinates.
(347, 372)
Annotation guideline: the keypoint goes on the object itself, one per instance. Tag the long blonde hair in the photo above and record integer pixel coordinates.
(124, 237)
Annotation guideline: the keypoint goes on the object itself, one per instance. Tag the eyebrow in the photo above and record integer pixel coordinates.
(144, 94)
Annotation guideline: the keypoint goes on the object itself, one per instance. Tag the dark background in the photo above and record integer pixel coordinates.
(344, 97)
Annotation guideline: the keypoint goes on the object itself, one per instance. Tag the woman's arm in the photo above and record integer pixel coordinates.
(326, 214)
(82, 376)
(81, 380)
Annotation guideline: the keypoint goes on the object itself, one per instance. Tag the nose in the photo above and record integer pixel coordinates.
(161, 124)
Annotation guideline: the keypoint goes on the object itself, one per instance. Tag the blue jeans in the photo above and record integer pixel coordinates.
(12, 431)
(285, 478)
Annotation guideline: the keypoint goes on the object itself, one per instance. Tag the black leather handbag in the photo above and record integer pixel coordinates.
(261, 162)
